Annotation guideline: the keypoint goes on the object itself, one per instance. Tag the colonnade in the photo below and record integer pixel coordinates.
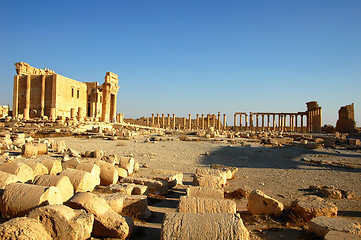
(293, 122)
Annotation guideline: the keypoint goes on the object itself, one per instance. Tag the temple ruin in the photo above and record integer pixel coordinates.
(40, 93)
(346, 119)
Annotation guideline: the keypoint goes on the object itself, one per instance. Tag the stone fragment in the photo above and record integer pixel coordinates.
(54, 166)
(6, 178)
(114, 200)
(70, 163)
(23, 228)
(61, 182)
(112, 159)
(330, 193)
(97, 154)
(135, 206)
(38, 168)
(242, 192)
(214, 172)
(107, 223)
(205, 192)
(155, 187)
(90, 168)
(330, 141)
(42, 148)
(74, 153)
(346, 119)
(19, 198)
(29, 150)
(229, 170)
(205, 205)
(187, 226)
(82, 181)
(58, 146)
(122, 173)
(108, 173)
(260, 203)
(208, 181)
(127, 163)
(172, 177)
(64, 223)
(313, 206)
(21, 170)
(136, 167)
(126, 188)
(322, 225)
(335, 235)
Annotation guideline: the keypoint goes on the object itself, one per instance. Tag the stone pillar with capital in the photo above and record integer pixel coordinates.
(42, 96)
(27, 98)
(16, 97)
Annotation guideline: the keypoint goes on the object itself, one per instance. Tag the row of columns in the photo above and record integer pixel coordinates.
(267, 121)
(200, 122)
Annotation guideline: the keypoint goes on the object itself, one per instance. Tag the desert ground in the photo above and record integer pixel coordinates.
(281, 172)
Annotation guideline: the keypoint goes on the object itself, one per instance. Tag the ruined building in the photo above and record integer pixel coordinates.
(346, 119)
(42, 92)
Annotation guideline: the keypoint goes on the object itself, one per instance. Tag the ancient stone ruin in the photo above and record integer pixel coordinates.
(346, 119)
(42, 93)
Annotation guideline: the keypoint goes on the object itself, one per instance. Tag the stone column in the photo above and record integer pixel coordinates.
(72, 113)
(106, 102)
(207, 120)
(257, 122)
(152, 119)
(147, 122)
(235, 122)
(251, 121)
(219, 121)
(80, 114)
(158, 120)
(296, 123)
(113, 112)
(53, 113)
(246, 121)
(190, 123)
(173, 121)
(202, 121)
(16, 97)
(302, 127)
(274, 122)
(262, 122)
(27, 98)
(214, 121)
(197, 122)
(163, 121)
(240, 122)
(224, 122)
(42, 96)
(184, 123)
(168, 120)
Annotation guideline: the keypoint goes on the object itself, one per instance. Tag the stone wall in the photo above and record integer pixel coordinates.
(346, 119)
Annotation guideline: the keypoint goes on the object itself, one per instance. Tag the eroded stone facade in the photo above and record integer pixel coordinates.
(346, 119)
(42, 92)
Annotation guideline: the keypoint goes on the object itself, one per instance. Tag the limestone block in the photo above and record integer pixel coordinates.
(155, 187)
(97, 154)
(108, 173)
(6, 178)
(322, 225)
(230, 171)
(42, 148)
(21, 170)
(260, 203)
(54, 166)
(23, 228)
(205, 192)
(126, 188)
(19, 198)
(122, 173)
(205, 205)
(107, 223)
(38, 168)
(313, 206)
(82, 181)
(71, 163)
(334, 235)
(64, 223)
(112, 159)
(136, 167)
(207, 226)
(330, 141)
(18, 142)
(114, 200)
(61, 182)
(59, 146)
(127, 163)
(208, 181)
(172, 177)
(29, 150)
(135, 206)
(74, 153)
(213, 172)
(90, 168)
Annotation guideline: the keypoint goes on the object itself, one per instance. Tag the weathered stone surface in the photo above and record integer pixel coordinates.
(23, 228)
(127, 163)
(346, 119)
(42, 148)
(29, 150)
(330, 141)
(54, 166)
(334, 235)
(64, 223)
(19, 198)
(122, 173)
(205, 205)
(208, 181)
(21, 170)
(61, 182)
(214, 172)
(260, 203)
(126, 188)
(58, 146)
(108, 173)
(73, 153)
(205, 192)
(90, 168)
(112, 159)
(229, 170)
(155, 187)
(82, 181)
(207, 226)
(6, 178)
(322, 225)
(330, 193)
(172, 177)
(38, 168)
(107, 223)
(114, 200)
(313, 206)
(242, 192)
(70, 163)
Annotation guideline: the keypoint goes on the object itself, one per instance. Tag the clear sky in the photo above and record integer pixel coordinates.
(194, 56)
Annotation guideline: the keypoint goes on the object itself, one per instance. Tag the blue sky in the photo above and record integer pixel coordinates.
(200, 56)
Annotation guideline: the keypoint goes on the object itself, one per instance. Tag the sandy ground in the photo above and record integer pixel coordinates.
(279, 172)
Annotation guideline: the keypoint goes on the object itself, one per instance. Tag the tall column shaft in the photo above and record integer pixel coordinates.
(190, 122)
(106, 102)
(219, 121)
(235, 122)
(16, 97)
(27, 98)
(197, 122)
(152, 119)
(42, 96)
(173, 121)
(202, 121)
(224, 122)
(163, 120)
